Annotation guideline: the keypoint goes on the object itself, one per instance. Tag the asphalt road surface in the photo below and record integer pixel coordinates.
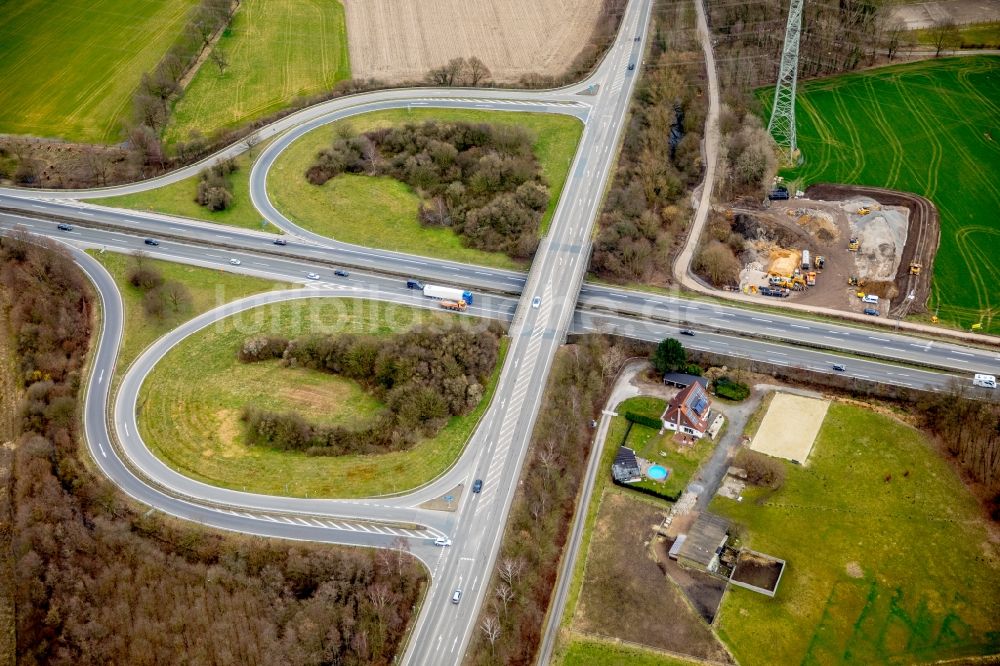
(497, 449)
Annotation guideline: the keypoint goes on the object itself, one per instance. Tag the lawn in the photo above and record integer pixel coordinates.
(209, 288)
(69, 68)
(179, 199)
(932, 128)
(649, 444)
(889, 560)
(382, 212)
(277, 51)
(593, 652)
(191, 402)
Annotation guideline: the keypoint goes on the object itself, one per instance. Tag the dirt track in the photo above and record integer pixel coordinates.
(921, 242)
(399, 40)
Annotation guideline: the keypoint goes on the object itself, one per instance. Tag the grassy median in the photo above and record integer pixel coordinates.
(190, 404)
(382, 212)
(209, 288)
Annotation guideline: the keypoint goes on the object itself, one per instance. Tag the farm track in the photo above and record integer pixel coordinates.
(922, 239)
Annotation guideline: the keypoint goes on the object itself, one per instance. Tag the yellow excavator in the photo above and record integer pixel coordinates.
(853, 245)
(915, 267)
(855, 282)
(864, 211)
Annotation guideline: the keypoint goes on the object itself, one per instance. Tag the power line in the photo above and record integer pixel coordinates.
(782, 124)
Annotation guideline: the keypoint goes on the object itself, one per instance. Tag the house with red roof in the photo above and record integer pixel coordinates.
(688, 412)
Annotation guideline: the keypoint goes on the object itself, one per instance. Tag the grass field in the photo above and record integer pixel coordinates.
(382, 212)
(68, 69)
(277, 51)
(979, 35)
(190, 406)
(209, 288)
(593, 652)
(889, 560)
(179, 199)
(932, 128)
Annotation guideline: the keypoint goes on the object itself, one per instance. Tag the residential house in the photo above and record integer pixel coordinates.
(688, 412)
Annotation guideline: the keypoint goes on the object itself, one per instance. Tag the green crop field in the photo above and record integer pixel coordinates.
(277, 51)
(932, 128)
(68, 69)
(889, 557)
(382, 212)
(191, 403)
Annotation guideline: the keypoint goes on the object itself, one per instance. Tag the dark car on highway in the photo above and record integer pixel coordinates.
(280, 241)
(414, 284)
(340, 273)
(65, 227)
(151, 241)
(477, 485)
(687, 331)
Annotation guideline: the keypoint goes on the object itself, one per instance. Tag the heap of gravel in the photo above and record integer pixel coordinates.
(881, 235)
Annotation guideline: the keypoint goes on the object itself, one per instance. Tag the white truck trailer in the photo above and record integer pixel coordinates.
(447, 293)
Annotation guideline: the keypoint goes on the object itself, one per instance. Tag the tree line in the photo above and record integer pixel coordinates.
(969, 430)
(98, 579)
(644, 214)
(483, 181)
(520, 591)
(422, 376)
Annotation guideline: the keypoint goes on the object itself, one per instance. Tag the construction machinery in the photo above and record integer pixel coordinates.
(457, 306)
(855, 282)
(864, 210)
(796, 282)
(915, 267)
(811, 278)
(820, 261)
(853, 245)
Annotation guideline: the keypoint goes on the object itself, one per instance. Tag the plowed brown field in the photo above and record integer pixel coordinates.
(398, 40)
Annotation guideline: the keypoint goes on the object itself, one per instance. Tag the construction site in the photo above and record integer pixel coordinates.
(851, 248)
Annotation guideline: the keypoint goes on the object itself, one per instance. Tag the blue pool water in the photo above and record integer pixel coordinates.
(657, 473)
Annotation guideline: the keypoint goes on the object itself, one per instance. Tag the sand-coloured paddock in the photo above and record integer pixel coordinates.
(398, 40)
(790, 426)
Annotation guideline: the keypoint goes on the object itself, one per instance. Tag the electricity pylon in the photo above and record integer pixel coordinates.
(782, 124)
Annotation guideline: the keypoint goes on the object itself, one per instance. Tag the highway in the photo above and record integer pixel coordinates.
(261, 257)
(497, 449)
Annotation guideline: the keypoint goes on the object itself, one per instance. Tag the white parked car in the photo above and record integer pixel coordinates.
(235, 262)
(442, 541)
(536, 301)
(312, 276)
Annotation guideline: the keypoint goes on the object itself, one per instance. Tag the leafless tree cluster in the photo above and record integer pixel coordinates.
(644, 216)
(460, 72)
(969, 429)
(96, 582)
(159, 296)
(836, 37)
(511, 620)
(215, 187)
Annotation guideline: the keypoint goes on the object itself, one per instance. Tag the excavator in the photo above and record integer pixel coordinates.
(853, 245)
(915, 267)
(820, 261)
(855, 282)
(864, 211)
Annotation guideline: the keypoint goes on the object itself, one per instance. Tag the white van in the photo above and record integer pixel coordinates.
(870, 298)
(986, 381)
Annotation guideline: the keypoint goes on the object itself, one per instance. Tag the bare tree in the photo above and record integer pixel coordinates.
(401, 551)
(476, 71)
(893, 39)
(944, 35)
(177, 295)
(139, 257)
(505, 595)
(510, 569)
(220, 58)
(250, 141)
(491, 629)
(447, 74)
